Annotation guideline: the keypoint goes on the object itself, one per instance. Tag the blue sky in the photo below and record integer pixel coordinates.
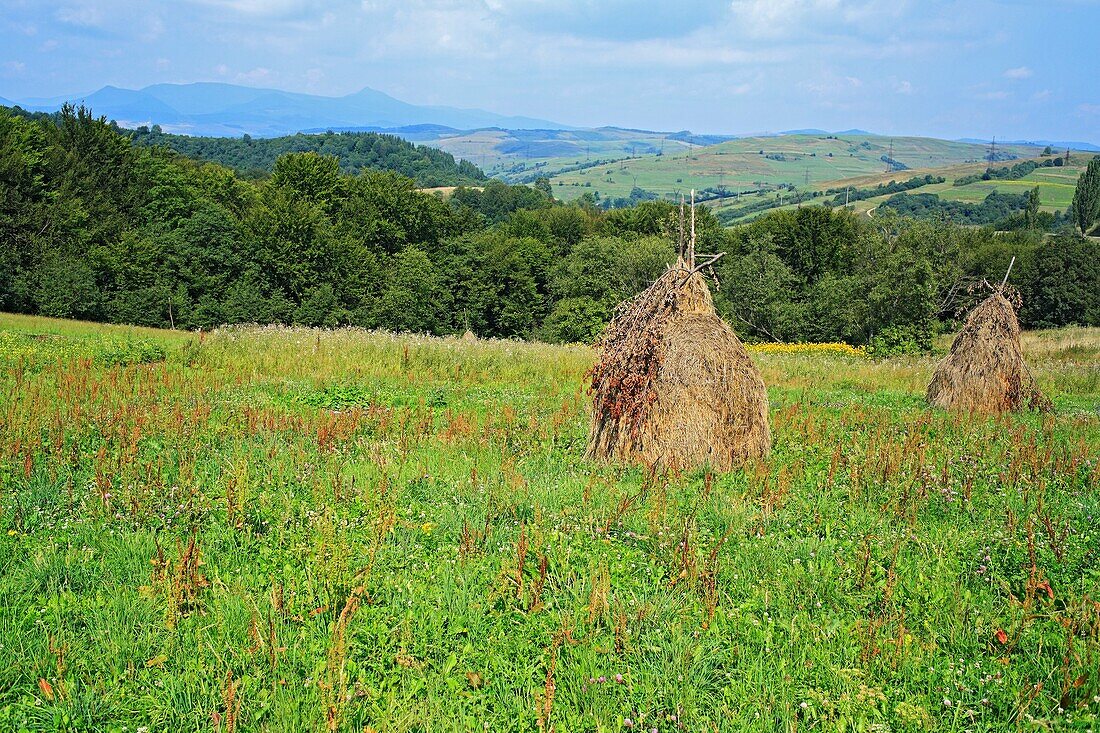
(972, 68)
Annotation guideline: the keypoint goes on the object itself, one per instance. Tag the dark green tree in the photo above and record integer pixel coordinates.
(413, 298)
(311, 176)
(1086, 199)
(1031, 213)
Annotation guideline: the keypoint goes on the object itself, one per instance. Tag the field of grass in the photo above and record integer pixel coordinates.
(515, 154)
(801, 160)
(1056, 185)
(307, 530)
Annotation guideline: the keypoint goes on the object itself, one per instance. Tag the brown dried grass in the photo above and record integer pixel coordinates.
(673, 385)
(985, 371)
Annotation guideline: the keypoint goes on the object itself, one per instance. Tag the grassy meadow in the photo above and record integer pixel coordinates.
(809, 162)
(280, 529)
(1056, 185)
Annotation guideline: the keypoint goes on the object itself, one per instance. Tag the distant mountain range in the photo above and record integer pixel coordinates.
(228, 110)
(1060, 145)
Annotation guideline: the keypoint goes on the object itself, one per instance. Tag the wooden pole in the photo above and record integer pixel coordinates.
(681, 252)
(1010, 264)
(691, 261)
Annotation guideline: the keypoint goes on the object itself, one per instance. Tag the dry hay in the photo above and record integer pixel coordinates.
(985, 371)
(673, 386)
(469, 336)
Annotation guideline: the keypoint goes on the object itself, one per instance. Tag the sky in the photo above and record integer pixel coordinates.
(1013, 69)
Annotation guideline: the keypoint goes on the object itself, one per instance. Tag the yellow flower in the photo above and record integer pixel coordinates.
(796, 348)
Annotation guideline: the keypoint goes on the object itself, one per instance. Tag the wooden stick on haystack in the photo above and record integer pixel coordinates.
(985, 371)
(673, 385)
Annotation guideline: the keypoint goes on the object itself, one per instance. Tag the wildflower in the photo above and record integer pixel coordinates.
(803, 705)
(619, 678)
(628, 723)
(947, 702)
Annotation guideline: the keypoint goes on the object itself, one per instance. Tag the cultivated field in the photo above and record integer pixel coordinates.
(1056, 185)
(286, 530)
(805, 161)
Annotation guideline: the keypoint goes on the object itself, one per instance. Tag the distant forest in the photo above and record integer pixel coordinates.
(95, 226)
(356, 151)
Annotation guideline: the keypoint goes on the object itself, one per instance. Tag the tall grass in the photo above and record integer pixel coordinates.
(293, 529)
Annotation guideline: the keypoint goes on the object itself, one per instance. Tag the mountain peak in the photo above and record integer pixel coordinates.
(228, 110)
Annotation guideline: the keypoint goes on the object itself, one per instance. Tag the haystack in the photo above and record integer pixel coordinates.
(985, 371)
(469, 335)
(674, 386)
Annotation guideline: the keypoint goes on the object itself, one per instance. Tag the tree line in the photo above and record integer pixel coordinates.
(356, 151)
(95, 226)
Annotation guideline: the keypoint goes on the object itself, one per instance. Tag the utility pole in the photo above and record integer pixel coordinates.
(992, 153)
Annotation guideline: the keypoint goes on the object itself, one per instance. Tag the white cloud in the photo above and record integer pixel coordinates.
(89, 16)
(154, 28)
(1020, 72)
(903, 87)
(272, 9)
(258, 74)
(830, 85)
(792, 18)
(14, 68)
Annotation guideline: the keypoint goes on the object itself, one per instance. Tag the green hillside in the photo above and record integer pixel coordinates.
(517, 156)
(357, 152)
(751, 164)
(1056, 186)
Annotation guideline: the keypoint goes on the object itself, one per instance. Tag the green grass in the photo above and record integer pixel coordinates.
(401, 533)
(1056, 186)
(514, 154)
(738, 164)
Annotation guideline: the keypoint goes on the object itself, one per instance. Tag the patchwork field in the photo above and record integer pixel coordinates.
(747, 164)
(291, 529)
(1056, 185)
(518, 154)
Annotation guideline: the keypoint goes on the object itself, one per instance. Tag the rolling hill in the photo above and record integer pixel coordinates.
(356, 151)
(1056, 186)
(755, 164)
